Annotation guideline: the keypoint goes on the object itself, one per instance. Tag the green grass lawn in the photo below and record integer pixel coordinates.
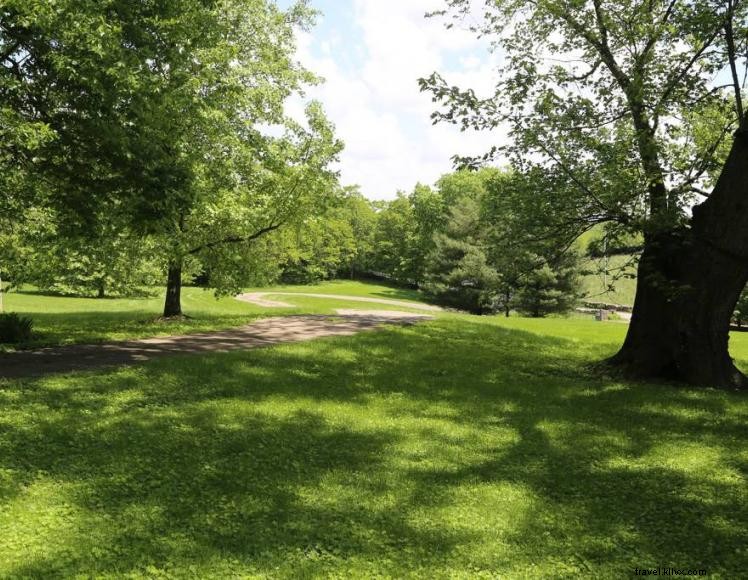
(353, 288)
(462, 448)
(68, 320)
(594, 285)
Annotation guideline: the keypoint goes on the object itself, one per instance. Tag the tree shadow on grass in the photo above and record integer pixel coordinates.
(189, 488)
(446, 448)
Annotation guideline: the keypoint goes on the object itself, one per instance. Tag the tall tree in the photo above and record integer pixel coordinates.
(358, 212)
(610, 97)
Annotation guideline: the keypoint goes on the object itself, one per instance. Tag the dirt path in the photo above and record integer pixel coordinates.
(264, 332)
(258, 299)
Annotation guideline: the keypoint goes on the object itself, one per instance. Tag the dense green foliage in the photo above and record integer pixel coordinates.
(457, 269)
(487, 449)
(106, 261)
(459, 241)
(549, 286)
(163, 120)
(334, 244)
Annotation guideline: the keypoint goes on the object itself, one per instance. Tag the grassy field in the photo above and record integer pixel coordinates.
(68, 320)
(464, 448)
(594, 285)
(353, 288)
(595, 288)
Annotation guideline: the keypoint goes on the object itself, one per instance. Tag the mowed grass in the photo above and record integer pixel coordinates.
(353, 288)
(461, 448)
(68, 320)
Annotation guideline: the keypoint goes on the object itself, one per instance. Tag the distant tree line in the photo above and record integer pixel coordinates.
(459, 242)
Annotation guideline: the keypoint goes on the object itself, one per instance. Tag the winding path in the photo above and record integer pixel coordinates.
(258, 299)
(265, 332)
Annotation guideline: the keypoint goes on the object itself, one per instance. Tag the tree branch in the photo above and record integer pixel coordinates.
(599, 44)
(730, 38)
(678, 75)
(656, 35)
(578, 182)
(235, 239)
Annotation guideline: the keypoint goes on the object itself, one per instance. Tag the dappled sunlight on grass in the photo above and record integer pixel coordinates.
(463, 447)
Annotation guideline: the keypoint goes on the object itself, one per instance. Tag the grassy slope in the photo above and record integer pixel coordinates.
(352, 288)
(465, 448)
(595, 289)
(66, 320)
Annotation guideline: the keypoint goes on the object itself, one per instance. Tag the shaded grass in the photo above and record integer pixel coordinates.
(461, 448)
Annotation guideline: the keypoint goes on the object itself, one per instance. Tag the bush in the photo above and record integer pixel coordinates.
(14, 328)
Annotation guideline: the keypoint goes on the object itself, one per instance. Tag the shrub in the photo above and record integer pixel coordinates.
(14, 328)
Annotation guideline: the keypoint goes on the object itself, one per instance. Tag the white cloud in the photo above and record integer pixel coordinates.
(371, 66)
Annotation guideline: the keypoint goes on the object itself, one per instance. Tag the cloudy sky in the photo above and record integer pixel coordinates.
(371, 53)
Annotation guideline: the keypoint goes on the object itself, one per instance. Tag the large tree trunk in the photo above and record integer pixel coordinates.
(689, 283)
(173, 304)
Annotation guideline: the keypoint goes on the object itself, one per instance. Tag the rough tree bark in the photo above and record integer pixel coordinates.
(173, 303)
(689, 283)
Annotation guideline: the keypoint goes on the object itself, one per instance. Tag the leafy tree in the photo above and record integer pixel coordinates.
(429, 214)
(107, 261)
(466, 183)
(615, 106)
(269, 188)
(115, 265)
(358, 212)
(324, 245)
(406, 226)
(395, 239)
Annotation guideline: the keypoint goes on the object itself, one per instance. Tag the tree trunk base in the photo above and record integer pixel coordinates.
(727, 377)
(174, 318)
(685, 297)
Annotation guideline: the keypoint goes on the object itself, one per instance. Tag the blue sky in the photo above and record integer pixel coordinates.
(371, 53)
